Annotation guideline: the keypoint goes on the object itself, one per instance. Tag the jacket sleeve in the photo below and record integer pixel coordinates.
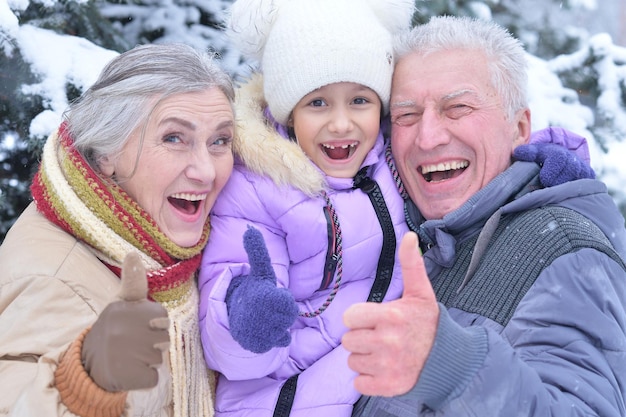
(40, 319)
(78, 392)
(563, 353)
(224, 259)
(277, 212)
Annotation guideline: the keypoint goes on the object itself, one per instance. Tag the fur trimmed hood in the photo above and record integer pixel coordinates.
(263, 150)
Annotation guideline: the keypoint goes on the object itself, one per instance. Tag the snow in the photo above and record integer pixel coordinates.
(60, 59)
(8, 24)
(10, 142)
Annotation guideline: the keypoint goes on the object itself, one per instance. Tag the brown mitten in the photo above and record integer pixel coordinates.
(126, 343)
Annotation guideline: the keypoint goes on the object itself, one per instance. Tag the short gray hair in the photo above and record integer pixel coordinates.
(102, 118)
(505, 54)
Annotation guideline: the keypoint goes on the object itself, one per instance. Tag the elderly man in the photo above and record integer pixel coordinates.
(518, 306)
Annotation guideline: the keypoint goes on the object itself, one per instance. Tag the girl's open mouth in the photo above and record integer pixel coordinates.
(339, 152)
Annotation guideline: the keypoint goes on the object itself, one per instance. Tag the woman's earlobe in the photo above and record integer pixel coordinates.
(106, 166)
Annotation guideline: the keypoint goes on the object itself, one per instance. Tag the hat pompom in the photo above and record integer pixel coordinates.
(394, 15)
(250, 23)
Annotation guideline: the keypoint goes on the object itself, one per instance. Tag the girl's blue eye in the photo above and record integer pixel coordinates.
(317, 102)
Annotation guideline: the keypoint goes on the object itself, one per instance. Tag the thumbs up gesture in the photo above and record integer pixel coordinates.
(390, 342)
(127, 341)
(259, 312)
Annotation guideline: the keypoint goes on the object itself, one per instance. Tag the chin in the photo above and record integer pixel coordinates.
(343, 173)
(186, 240)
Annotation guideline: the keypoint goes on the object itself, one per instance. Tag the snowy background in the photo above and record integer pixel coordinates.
(577, 56)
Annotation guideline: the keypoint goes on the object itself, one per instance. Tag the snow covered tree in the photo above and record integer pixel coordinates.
(80, 37)
(51, 50)
(194, 22)
(22, 96)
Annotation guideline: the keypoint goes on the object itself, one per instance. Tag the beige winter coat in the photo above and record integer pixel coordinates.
(52, 287)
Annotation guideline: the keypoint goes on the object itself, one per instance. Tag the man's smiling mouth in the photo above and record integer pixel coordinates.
(443, 171)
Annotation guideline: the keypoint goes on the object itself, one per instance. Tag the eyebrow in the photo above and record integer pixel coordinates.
(446, 97)
(225, 123)
(192, 126)
(459, 93)
(178, 120)
(406, 103)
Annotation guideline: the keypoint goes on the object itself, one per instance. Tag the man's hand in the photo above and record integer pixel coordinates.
(390, 342)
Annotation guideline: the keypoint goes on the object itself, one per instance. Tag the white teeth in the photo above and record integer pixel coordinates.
(189, 197)
(352, 145)
(426, 169)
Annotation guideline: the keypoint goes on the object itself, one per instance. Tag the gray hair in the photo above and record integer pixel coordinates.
(102, 118)
(505, 54)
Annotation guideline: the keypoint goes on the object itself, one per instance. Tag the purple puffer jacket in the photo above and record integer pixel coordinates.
(292, 221)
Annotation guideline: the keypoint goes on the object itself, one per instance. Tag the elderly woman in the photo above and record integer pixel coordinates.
(134, 168)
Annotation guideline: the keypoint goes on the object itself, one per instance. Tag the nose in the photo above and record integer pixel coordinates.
(432, 131)
(340, 121)
(201, 166)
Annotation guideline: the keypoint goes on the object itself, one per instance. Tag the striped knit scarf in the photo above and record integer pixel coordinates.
(70, 194)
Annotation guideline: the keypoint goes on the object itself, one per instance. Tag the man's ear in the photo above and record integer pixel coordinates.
(106, 166)
(523, 128)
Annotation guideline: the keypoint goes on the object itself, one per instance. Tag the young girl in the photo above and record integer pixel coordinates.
(312, 182)
(313, 179)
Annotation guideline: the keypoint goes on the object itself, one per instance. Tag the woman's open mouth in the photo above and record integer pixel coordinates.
(187, 203)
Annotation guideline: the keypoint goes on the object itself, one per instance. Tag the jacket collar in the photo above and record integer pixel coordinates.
(260, 146)
(439, 237)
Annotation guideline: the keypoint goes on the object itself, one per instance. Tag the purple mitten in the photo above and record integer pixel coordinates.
(558, 164)
(259, 313)
(565, 138)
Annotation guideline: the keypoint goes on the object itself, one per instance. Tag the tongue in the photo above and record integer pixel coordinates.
(439, 176)
(183, 205)
(337, 153)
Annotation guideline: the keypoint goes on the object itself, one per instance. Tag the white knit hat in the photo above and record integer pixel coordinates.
(303, 45)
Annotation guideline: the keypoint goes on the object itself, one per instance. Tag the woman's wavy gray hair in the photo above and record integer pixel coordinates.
(102, 118)
(505, 54)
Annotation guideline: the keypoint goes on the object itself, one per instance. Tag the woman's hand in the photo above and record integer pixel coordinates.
(127, 341)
